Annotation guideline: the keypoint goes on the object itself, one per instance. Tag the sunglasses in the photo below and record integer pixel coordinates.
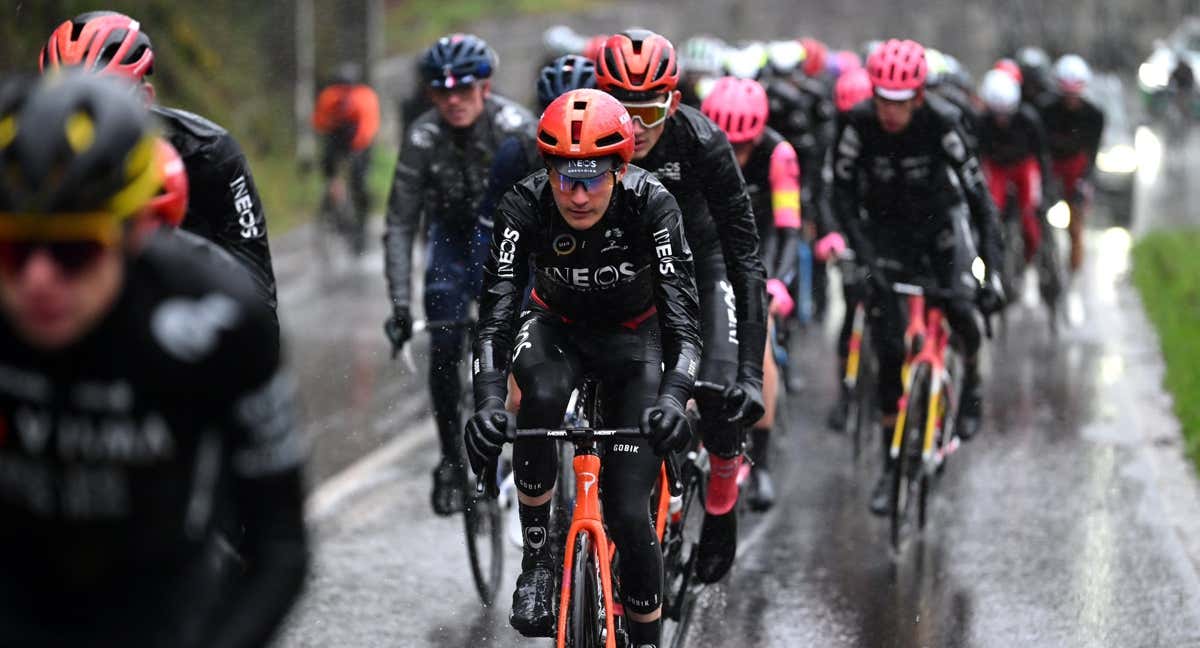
(589, 185)
(650, 113)
(72, 257)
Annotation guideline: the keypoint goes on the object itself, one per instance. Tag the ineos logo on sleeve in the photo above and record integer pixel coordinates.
(244, 205)
(188, 328)
(564, 244)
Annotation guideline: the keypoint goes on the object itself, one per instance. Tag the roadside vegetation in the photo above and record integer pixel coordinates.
(1166, 271)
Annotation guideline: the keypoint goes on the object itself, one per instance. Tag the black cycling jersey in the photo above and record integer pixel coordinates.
(777, 244)
(970, 120)
(223, 203)
(902, 180)
(1020, 138)
(119, 454)
(631, 263)
(1071, 132)
(443, 173)
(694, 161)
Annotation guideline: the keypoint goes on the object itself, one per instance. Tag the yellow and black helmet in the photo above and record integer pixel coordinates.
(77, 156)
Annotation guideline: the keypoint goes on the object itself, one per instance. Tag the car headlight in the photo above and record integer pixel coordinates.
(1119, 159)
(1059, 215)
(1153, 76)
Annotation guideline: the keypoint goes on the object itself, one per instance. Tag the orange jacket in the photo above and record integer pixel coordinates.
(342, 105)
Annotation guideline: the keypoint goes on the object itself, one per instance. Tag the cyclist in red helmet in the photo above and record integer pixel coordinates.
(768, 163)
(907, 190)
(690, 155)
(613, 295)
(224, 206)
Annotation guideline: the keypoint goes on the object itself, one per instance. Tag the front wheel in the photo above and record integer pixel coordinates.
(908, 473)
(680, 543)
(586, 625)
(483, 523)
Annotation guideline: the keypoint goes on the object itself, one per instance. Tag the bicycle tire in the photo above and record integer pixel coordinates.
(908, 464)
(680, 589)
(484, 528)
(586, 625)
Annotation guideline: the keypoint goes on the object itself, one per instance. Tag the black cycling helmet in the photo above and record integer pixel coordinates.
(458, 59)
(348, 73)
(570, 72)
(75, 144)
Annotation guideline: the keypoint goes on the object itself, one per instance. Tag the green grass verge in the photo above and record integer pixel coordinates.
(1166, 271)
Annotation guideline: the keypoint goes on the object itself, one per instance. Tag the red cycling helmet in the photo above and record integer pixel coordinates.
(897, 69)
(815, 54)
(1009, 67)
(594, 44)
(637, 64)
(739, 107)
(101, 41)
(585, 123)
(852, 87)
(170, 205)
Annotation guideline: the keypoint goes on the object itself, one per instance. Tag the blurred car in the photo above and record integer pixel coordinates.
(1117, 160)
(1154, 76)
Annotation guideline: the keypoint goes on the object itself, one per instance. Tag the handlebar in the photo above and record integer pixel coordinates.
(580, 435)
(428, 325)
(935, 292)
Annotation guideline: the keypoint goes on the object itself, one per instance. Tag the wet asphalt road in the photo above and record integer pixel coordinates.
(1071, 521)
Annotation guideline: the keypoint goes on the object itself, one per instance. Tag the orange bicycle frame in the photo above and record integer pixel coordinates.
(925, 340)
(587, 518)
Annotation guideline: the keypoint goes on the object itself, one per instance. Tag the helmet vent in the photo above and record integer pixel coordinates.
(576, 130)
(611, 139)
(547, 138)
(76, 30)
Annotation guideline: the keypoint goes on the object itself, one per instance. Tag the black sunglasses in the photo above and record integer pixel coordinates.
(71, 256)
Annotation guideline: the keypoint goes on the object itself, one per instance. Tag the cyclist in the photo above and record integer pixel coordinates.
(144, 400)
(347, 114)
(937, 81)
(224, 206)
(1073, 129)
(694, 161)
(442, 171)
(768, 163)
(1012, 145)
(901, 160)
(852, 88)
(700, 61)
(1035, 74)
(802, 111)
(613, 295)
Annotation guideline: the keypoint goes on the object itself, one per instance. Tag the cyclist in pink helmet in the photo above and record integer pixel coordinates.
(772, 172)
(852, 87)
(907, 191)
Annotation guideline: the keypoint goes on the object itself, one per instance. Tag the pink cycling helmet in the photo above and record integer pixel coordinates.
(897, 69)
(739, 107)
(852, 87)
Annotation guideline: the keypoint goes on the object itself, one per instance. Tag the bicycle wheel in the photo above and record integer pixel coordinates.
(907, 474)
(483, 523)
(680, 544)
(586, 624)
(858, 412)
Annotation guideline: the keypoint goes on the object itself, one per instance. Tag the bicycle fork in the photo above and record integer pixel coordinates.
(854, 348)
(587, 520)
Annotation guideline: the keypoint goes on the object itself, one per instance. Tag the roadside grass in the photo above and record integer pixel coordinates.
(1166, 271)
(415, 24)
(291, 197)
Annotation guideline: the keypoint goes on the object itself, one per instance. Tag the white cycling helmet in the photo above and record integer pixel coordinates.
(785, 55)
(747, 61)
(702, 55)
(1072, 74)
(1000, 92)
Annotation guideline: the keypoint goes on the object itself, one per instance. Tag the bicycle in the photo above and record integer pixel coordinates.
(924, 436)
(590, 613)
(860, 373)
(336, 216)
(483, 520)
